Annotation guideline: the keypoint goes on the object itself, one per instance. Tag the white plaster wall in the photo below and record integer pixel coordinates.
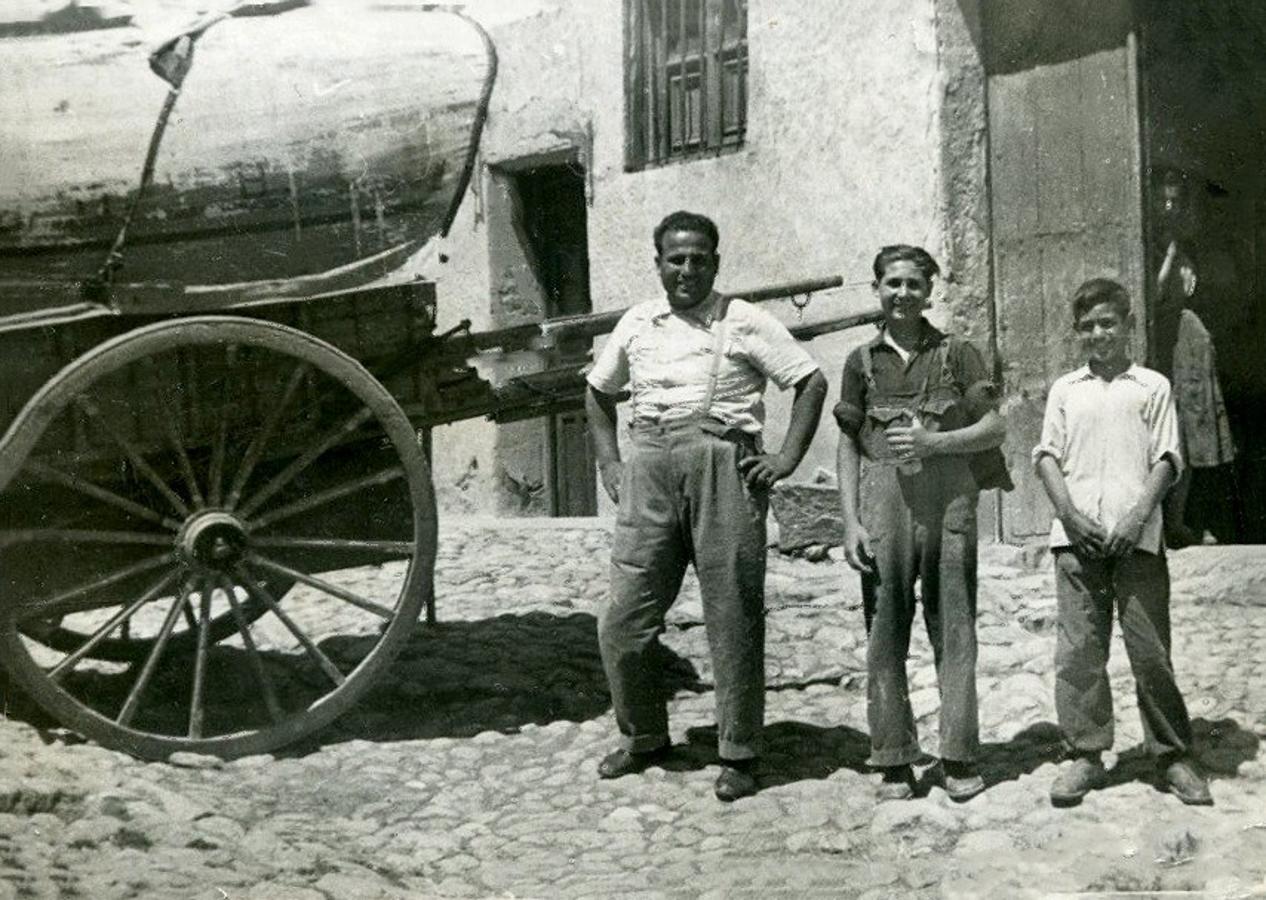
(842, 155)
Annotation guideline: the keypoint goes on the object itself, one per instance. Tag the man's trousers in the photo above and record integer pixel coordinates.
(682, 500)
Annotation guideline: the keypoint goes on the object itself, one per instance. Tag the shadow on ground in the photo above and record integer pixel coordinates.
(455, 679)
(1221, 746)
(1026, 752)
(459, 678)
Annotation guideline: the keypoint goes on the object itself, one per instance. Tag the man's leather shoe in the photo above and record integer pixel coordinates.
(1188, 785)
(735, 783)
(897, 783)
(962, 780)
(619, 763)
(1080, 776)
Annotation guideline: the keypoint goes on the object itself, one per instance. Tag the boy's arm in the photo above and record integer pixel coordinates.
(850, 415)
(766, 468)
(1165, 462)
(1087, 535)
(1127, 532)
(848, 460)
(915, 440)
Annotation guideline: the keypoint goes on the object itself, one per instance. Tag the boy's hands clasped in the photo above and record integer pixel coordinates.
(1090, 538)
(1086, 534)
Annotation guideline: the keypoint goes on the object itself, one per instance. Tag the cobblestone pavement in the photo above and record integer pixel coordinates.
(469, 771)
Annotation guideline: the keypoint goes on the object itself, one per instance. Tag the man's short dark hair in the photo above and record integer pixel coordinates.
(681, 220)
(921, 259)
(1100, 290)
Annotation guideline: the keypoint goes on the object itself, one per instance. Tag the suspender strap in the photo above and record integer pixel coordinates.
(718, 348)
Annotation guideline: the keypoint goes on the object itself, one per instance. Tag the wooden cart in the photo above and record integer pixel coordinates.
(217, 523)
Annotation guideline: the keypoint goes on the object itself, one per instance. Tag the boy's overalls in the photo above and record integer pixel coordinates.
(922, 528)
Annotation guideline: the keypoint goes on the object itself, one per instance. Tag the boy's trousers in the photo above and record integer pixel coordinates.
(683, 499)
(1087, 589)
(923, 528)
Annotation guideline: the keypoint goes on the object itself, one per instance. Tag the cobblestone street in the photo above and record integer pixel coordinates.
(470, 769)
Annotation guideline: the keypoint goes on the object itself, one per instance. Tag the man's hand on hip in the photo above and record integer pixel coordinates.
(611, 472)
(764, 469)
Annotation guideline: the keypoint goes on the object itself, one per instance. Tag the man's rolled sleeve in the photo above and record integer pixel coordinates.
(850, 411)
(773, 351)
(610, 371)
(1162, 421)
(1054, 430)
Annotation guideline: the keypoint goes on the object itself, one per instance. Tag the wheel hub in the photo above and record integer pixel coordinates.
(212, 540)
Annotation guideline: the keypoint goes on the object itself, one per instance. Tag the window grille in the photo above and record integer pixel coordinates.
(685, 78)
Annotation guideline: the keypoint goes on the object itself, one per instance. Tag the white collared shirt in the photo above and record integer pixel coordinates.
(1106, 436)
(665, 358)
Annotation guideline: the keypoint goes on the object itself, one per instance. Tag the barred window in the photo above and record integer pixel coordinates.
(685, 78)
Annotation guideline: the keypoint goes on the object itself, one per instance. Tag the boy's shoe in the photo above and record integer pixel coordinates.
(1079, 777)
(897, 783)
(1184, 782)
(735, 781)
(962, 780)
(619, 763)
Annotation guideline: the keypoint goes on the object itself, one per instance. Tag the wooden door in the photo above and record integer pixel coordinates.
(554, 218)
(1065, 196)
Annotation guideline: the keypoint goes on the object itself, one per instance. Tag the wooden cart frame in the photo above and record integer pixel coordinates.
(179, 466)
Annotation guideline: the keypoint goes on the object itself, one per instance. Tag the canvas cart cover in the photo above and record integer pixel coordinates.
(312, 143)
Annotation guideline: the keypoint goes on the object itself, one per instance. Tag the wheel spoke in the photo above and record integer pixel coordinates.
(123, 617)
(286, 475)
(82, 536)
(321, 585)
(133, 455)
(87, 488)
(63, 603)
(262, 594)
(215, 476)
(190, 619)
(327, 496)
(196, 711)
(400, 548)
(256, 448)
(151, 663)
(252, 654)
(171, 426)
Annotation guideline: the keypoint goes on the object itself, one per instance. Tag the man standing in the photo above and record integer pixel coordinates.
(693, 488)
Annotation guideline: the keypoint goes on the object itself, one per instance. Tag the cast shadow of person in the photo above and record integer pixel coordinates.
(1220, 747)
(799, 751)
(459, 678)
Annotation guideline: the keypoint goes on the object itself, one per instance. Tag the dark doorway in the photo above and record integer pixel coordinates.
(1204, 127)
(554, 221)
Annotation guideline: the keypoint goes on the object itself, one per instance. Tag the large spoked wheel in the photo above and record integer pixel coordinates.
(161, 493)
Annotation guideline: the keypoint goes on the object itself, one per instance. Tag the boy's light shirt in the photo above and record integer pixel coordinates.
(1106, 436)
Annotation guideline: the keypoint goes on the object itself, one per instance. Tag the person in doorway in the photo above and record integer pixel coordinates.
(693, 488)
(921, 408)
(1185, 355)
(1108, 453)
